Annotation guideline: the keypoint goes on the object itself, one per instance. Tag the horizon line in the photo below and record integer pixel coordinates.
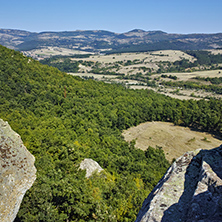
(83, 30)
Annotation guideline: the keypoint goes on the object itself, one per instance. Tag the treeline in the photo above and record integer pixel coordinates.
(205, 57)
(63, 64)
(159, 45)
(169, 76)
(214, 80)
(194, 85)
(63, 119)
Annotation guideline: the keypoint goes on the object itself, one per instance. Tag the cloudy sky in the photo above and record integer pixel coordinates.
(172, 16)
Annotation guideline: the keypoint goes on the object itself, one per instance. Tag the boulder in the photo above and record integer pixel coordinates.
(191, 190)
(17, 172)
(90, 166)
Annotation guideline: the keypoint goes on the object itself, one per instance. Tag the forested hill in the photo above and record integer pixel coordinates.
(100, 40)
(63, 119)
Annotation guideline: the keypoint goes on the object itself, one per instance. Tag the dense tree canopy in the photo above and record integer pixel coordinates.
(63, 119)
(205, 57)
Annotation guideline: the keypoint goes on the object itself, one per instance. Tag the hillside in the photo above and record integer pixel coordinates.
(100, 40)
(64, 119)
(179, 74)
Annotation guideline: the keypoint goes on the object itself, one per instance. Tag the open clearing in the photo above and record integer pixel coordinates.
(188, 76)
(156, 56)
(149, 60)
(47, 52)
(174, 140)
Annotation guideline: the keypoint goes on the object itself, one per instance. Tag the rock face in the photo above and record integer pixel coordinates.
(17, 172)
(90, 166)
(191, 190)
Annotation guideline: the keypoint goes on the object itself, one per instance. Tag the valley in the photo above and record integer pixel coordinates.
(118, 106)
(64, 116)
(148, 71)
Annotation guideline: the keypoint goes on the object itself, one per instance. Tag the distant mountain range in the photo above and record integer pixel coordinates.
(106, 41)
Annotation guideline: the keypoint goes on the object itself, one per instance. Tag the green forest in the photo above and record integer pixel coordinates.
(64, 119)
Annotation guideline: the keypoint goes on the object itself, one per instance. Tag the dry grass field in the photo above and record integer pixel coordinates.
(46, 52)
(141, 59)
(156, 56)
(187, 76)
(174, 140)
(216, 51)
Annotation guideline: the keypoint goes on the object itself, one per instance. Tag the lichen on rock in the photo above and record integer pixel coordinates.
(191, 190)
(17, 172)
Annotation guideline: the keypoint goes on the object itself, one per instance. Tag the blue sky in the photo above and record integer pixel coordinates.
(172, 16)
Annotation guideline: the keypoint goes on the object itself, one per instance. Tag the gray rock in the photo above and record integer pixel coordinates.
(191, 190)
(17, 172)
(90, 166)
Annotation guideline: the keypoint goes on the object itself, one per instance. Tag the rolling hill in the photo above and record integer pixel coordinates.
(63, 119)
(100, 40)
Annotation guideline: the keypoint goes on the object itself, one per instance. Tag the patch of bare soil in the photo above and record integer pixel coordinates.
(174, 140)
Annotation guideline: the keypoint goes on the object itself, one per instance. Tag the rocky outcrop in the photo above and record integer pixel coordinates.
(17, 172)
(90, 166)
(191, 190)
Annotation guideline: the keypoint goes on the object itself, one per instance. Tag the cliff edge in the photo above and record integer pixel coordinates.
(191, 190)
(17, 172)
